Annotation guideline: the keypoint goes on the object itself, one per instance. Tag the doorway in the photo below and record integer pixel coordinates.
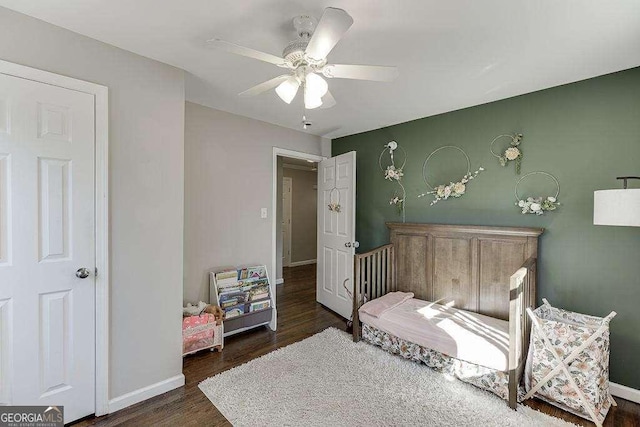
(297, 215)
(294, 225)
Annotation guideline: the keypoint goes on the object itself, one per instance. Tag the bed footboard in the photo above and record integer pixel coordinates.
(374, 276)
(522, 295)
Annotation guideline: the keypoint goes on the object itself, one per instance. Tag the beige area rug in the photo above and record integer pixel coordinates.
(328, 380)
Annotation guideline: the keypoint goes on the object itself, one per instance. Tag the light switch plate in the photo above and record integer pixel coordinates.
(263, 213)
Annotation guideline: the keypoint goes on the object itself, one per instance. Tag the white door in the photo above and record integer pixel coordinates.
(336, 232)
(287, 186)
(47, 333)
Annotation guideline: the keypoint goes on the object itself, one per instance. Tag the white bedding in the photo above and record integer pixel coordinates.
(472, 337)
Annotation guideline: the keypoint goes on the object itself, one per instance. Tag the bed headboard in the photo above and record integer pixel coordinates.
(467, 266)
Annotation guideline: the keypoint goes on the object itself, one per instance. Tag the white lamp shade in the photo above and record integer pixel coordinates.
(311, 102)
(617, 207)
(315, 86)
(288, 89)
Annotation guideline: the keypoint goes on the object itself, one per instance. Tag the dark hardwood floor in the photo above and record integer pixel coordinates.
(299, 317)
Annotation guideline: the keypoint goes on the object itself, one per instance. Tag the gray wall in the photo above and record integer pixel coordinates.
(146, 121)
(304, 202)
(586, 134)
(228, 178)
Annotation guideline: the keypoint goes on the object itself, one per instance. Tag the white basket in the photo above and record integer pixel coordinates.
(568, 361)
(203, 336)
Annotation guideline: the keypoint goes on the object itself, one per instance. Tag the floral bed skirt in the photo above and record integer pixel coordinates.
(487, 379)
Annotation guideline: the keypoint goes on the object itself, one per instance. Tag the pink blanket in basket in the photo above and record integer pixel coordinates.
(193, 321)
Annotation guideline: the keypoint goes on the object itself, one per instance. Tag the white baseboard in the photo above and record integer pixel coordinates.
(279, 281)
(299, 263)
(145, 393)
(625, 392)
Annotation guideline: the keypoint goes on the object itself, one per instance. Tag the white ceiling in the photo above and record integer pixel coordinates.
(451, 54)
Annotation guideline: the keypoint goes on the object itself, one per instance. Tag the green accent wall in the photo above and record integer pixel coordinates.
(584, 133)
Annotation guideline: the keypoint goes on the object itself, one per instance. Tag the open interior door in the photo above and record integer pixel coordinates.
(336, 232)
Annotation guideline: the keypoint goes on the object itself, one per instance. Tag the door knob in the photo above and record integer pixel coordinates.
(82, 273)
(348, 244)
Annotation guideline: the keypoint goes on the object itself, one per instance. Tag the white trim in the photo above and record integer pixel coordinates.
(625, 392)
(274, 192)
(279, 281)
(305, 262)
(101, 96)
(145, 393)
(286, 259)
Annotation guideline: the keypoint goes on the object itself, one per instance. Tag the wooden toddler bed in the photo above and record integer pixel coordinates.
(471, 287)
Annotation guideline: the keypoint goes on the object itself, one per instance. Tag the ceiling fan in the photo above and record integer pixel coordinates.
(306, 59)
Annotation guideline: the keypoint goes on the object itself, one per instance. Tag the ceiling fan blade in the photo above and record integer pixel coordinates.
(265, 86)
(246, 51)
(333, 24)
(376, 73)
(328, 101)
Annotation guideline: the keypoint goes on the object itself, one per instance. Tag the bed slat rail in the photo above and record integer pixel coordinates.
(374, 277)
(522, 295)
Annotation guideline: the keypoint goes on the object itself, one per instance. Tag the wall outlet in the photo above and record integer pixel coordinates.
(263, 213)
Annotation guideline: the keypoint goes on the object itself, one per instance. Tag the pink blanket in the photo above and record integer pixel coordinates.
(379, 306)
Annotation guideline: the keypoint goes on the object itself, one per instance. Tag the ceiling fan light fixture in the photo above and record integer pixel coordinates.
(315, 86)
(288, 89)
(311, 102)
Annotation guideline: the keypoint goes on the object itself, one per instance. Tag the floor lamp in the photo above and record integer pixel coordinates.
(619, 207)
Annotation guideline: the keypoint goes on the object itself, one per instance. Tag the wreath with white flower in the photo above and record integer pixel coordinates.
(453, 189)
(540, 204)
(395, 174)
(512, 154)
(334, 206)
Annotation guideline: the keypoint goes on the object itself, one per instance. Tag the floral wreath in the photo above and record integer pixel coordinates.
(334, 206)
(453, 189)
(537, 205)
(512, 153)
(394, 173)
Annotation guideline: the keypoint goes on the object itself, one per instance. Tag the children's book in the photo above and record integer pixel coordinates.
(259, 272)
(259, 292)
(260, 305)
(238, 297)
(232, 312)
